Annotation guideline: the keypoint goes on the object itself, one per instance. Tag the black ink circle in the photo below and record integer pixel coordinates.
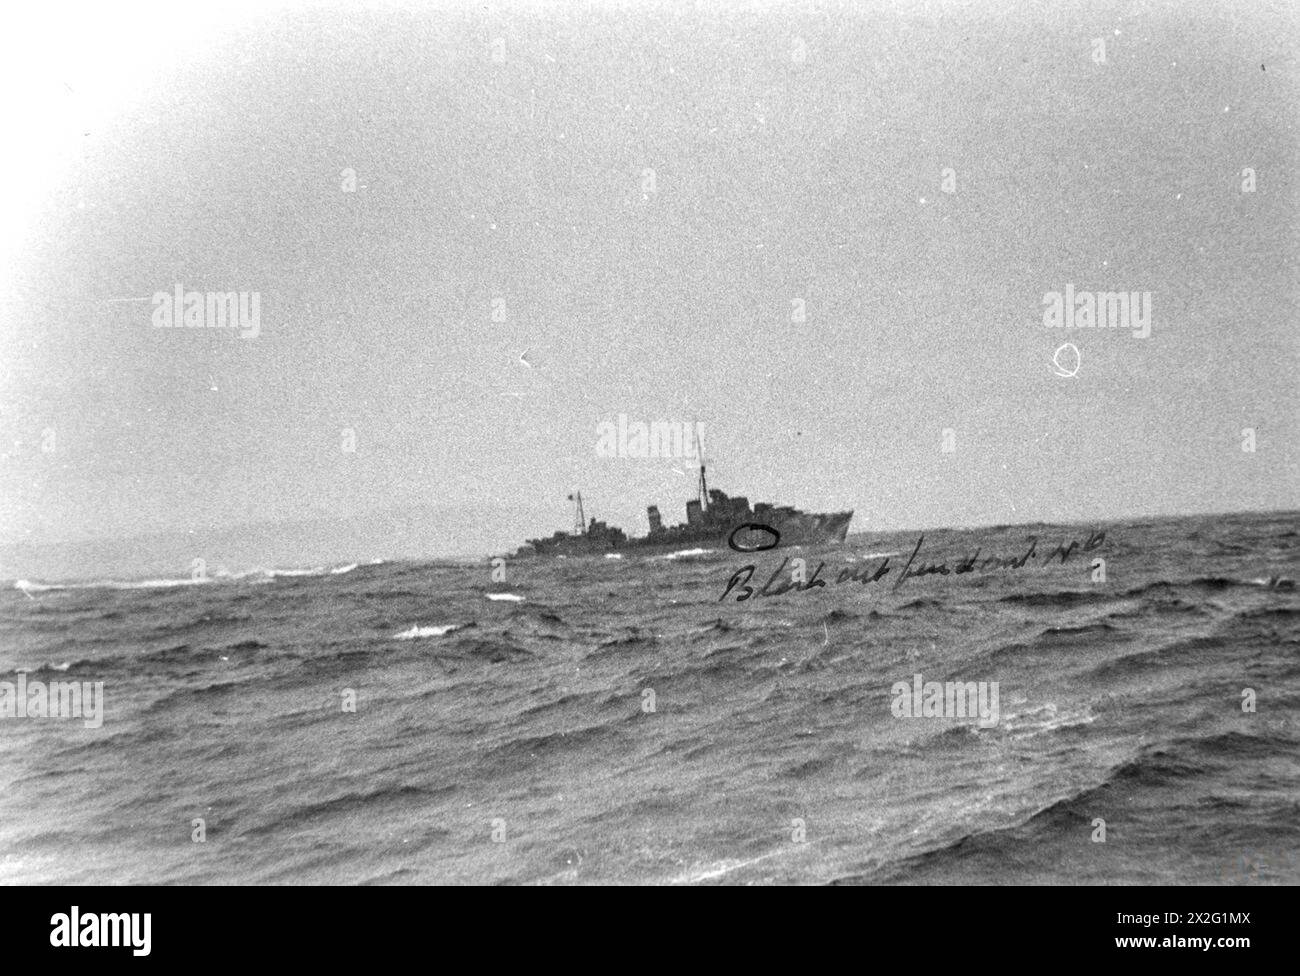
(776, 537)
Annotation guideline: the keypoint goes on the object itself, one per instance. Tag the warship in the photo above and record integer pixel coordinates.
(711, 521)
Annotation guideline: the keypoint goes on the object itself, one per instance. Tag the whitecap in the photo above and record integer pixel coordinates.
(417, 631)
(277, 573)
(687, 552)
(720, 868)
(27, 586)
(151, 584)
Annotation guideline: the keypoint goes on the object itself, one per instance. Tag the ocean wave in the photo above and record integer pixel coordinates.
(998, 653)
(416, 631)
(53, 668)
(687, 553)
(859, 557)
(550, 617)
(292, 572)
(111, 665)
(1269, 613)
(1047, 717)
(720, 869)
(716, 626)
(1162, 605)
(258, 574)
(1079, 630)
(1062, 598)
(527, 749)
(1155, 767)
(495, 650)
(368, 803)
(29, 587)
(635, 640)
(1174, 762)
(1212, 584)
(921, 603)
(1276, 583)
(1183, 652)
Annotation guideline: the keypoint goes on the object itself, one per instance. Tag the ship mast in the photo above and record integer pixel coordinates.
(704, 484)
(580, 525)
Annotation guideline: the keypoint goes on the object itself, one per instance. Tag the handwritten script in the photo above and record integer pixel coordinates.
(874, 573)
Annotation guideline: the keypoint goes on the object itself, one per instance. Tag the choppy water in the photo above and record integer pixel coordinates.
(771, 753)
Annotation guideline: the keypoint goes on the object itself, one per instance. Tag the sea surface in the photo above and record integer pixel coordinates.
(611, 720)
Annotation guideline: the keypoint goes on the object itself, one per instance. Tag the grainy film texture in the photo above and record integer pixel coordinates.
(650, 443)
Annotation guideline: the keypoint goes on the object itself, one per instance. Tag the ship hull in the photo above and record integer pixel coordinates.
(794, 529)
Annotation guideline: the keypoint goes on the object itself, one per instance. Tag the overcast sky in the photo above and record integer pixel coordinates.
(500, 155)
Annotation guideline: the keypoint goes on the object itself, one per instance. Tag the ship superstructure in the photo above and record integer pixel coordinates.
(710, 520)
